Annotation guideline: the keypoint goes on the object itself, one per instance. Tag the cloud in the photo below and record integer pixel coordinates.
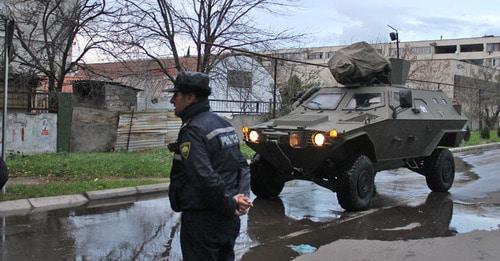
(346, 21)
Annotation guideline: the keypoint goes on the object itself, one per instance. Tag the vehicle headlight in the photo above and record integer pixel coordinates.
(333, 133)
(245, 131)
(318, 139)
(253, 136)
(294, 140)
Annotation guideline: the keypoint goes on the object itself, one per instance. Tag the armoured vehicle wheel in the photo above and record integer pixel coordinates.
(265, 181)
(440, 170)
(357, 185)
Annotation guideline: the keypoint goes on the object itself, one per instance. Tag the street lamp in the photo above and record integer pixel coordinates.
(394, 37)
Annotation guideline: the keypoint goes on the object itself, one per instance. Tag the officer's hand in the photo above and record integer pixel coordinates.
(243, 203)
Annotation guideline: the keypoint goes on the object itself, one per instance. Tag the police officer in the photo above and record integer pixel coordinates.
(4, 173)
(209, 180)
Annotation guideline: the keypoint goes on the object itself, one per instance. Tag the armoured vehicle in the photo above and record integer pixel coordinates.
(339, 137)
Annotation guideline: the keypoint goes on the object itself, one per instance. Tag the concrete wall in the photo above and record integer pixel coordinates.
(120, 98)
(93, 130)
(238, 121)
(104, 95)
(88, 94)
(30, 134)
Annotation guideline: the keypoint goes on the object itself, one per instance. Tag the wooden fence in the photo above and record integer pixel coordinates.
(144, 130)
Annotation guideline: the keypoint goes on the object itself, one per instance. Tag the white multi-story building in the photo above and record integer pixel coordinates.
(478, 50)
(432, 60)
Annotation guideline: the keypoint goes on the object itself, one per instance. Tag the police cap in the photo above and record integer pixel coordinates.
(192, 82)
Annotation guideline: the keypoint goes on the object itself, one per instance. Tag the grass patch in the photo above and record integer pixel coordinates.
(152, 163)
(56, 188)
(475, 139)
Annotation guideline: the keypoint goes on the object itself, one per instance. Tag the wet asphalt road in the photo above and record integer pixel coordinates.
(305, 217)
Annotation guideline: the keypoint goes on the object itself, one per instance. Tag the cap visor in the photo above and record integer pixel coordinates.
(171, 90)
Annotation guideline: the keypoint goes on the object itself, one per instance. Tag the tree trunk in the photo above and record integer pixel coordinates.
(53, 103)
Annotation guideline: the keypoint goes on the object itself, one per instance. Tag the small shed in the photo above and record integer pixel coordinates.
(96, 106)
(109, 96)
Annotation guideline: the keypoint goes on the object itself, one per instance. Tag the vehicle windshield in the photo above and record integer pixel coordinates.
(363, 101)
(324, 101)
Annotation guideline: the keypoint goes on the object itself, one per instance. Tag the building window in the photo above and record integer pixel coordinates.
(393, 51)
(239, 79)
(474, 61)
(317, 55)
(495, 62)
(471, 48)
(291, 56)
(493, 47)
(445, 49)
(421, 50)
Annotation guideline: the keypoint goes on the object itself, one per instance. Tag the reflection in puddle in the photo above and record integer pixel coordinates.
(266, 225)
(469, 218)
(461, 166)
(303, 249)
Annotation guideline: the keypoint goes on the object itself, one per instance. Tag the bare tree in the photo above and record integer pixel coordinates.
(488, 93)
(46, 31)
(156, 28)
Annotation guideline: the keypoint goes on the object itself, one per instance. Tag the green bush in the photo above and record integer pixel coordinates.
(498, 132)
(485, 133)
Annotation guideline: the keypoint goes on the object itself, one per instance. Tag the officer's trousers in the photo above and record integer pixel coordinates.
(208, 235)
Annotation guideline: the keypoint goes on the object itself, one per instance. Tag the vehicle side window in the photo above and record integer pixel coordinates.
(363, 101)
(421, 105)
(396, 96)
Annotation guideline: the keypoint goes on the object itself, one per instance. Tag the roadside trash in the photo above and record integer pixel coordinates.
(303, 248)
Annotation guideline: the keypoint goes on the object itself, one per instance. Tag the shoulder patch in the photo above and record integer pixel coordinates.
(184, 148)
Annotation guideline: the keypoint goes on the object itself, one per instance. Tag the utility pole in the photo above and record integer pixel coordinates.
(9, 33)
(395, 37)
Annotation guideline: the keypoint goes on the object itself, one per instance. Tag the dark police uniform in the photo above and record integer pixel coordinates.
(4, 173)
(207, 171)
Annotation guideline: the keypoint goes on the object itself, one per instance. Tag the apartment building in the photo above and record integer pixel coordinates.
(483, 51)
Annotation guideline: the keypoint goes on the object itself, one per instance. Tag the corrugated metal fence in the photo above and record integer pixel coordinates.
(143, 130)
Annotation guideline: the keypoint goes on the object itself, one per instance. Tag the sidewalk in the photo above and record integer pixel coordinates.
(476, 245)
(32, 205)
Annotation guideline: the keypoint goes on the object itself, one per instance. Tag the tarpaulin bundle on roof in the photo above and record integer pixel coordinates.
(359, 63)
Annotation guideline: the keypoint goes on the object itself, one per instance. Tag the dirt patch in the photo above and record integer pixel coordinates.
(26, 180)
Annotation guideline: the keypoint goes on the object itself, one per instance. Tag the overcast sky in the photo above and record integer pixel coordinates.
(338, 22)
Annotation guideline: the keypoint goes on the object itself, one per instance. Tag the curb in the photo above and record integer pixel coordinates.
(480, 147)
(57, 202)
(35, 205)
(111, 193)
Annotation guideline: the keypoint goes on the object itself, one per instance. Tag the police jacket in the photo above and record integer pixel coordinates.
(208, 168)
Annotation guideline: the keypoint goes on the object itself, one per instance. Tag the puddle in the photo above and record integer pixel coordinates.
(303, 249)
(306, 216)
(469, 218)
